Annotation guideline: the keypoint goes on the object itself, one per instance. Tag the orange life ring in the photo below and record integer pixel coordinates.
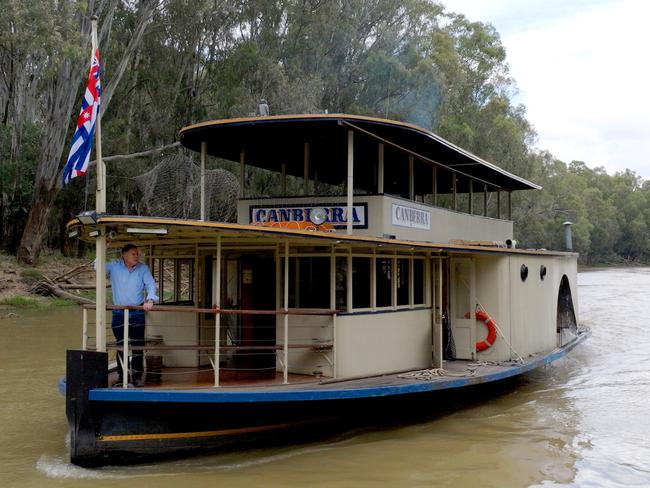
(483, 316)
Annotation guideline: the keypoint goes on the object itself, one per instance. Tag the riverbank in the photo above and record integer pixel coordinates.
(17, 280)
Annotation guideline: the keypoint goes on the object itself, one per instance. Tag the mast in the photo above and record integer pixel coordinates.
(100, 208)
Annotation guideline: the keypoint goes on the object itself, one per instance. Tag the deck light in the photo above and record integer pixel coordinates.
(88, 217)
(138, 230)
(94, 233)
(72, 234)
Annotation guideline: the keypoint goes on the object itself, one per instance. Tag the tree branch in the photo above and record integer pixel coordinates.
(149, 152)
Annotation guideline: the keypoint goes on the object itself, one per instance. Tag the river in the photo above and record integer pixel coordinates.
(581, 422)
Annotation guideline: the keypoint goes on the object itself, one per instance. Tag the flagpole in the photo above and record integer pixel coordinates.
(100, 208)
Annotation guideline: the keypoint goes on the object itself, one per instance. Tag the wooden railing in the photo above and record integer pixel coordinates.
(217, 347)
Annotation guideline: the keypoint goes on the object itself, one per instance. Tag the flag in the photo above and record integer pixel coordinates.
(82, 140)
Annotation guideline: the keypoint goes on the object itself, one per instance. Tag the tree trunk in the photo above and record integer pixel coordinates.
(61, 93)
(36, 227)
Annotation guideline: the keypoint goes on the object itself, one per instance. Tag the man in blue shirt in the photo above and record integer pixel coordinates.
(132, 284)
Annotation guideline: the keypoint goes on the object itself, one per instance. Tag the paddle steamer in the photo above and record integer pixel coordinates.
(390, 276)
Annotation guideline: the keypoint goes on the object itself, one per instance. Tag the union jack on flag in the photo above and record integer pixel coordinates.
(82, 140)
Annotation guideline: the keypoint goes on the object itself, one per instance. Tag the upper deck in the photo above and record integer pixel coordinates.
(396, 180)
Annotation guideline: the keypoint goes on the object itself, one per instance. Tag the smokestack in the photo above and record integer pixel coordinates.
(263, 108)
(568, 241)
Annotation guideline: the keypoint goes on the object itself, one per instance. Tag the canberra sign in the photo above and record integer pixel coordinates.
(335, 214)
(411, 217)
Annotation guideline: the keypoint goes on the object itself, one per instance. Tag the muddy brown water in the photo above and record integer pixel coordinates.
(583, 421)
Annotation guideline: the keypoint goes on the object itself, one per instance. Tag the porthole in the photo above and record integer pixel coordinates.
(523, 272)
(542, 272)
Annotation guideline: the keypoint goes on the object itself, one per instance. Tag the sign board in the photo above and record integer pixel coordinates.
(414, 218)
(335, 214)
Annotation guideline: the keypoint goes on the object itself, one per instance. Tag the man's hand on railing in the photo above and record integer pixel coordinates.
(147, 306)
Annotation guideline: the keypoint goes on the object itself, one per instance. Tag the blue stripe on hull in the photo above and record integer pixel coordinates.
(318, 393)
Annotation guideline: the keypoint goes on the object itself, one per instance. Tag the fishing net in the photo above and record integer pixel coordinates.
(173, 189)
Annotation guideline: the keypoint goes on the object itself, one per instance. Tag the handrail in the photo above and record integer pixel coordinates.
(125, 347)
(224, 311)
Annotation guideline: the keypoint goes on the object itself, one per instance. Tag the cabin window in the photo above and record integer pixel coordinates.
(341, 283)
(403, 280)
(418, 281)
(309, 281)
(361, 273)
(383, 282)
(184, 280)
(175, 280)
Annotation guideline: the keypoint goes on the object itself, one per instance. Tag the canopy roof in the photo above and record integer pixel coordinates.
(144, 231)
(269, 142)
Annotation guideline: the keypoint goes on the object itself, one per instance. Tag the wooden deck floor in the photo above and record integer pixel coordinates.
(184, 378)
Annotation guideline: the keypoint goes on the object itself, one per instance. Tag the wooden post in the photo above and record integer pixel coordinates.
(380, 170)
(334, 372)
(485, 200)
(306, 169)
(100, 195)
(333, 305)
(217, 316)
(125, 350)
(100, 208)
(435, 185)
(471, 197)
(498, 204)
(350, 202)
(84, 339)
(510, 205)
(242, 174)
(204, 151)
(286, 315)
(453, 186)
(100, 290)
(411, 178)
(348, 278)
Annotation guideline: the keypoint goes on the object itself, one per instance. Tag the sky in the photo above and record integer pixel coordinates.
(582, 68)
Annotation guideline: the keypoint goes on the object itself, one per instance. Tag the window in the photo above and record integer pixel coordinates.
(309, 282)
(418, 281)
(383, 281)
(341, 283)
(360, 282)
(403, 281)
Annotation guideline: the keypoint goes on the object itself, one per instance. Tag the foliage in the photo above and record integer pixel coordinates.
(20, 302)
(205, 59)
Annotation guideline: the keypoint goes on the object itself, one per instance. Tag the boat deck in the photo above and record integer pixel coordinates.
(454, 374)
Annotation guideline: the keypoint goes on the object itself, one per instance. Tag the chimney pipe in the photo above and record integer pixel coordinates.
(568, 240)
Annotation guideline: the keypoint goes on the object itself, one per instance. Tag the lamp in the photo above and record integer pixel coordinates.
(138, 230)
(89, 217)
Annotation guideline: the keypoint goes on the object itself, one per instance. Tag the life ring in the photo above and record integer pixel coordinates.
(483, 316)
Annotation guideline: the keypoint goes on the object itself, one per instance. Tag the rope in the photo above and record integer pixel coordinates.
(434, 374)
(520, 360)
(496, 326)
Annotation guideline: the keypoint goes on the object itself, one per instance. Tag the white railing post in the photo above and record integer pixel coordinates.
(286, 314)
(84, 339)
(217, 316)
(125, 351)
(334, 345)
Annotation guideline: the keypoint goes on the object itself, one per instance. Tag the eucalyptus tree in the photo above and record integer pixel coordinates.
(59, 80)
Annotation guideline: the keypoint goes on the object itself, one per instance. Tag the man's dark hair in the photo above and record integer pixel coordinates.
(128, 247)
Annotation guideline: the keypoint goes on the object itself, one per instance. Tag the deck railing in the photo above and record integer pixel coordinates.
(214, 351)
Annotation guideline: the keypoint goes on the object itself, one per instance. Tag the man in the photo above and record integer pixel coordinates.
(132, 284)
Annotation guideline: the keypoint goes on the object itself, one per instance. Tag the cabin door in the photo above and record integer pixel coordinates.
(462, 310)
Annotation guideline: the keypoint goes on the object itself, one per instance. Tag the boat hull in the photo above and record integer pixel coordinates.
(125, 426)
